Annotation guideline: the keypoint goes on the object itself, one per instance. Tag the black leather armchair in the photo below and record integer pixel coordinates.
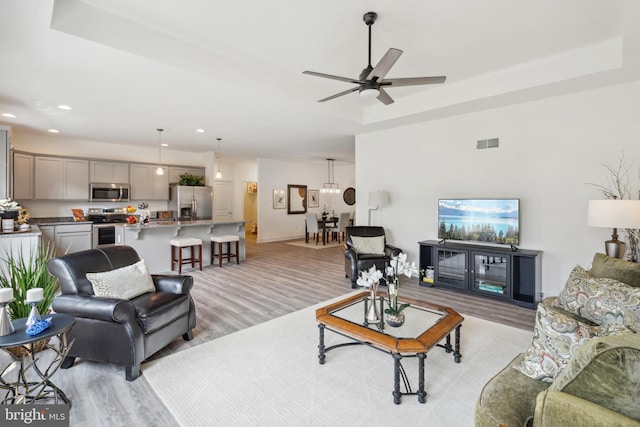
(355, 262)
(120, 331)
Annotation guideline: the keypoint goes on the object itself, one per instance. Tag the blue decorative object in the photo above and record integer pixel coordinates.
(38, 326)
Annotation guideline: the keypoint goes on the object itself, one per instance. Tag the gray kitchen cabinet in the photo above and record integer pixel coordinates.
(73, 238)
(146, 184)
(176, 171)
(58, 178)
(22, 176)
(5, 169)
(108, 172)
(68, 238)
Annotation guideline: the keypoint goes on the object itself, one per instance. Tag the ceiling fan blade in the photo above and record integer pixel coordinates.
(329, 76)
(384, 65)
(384, 97)
(414, 81)
(339, 94)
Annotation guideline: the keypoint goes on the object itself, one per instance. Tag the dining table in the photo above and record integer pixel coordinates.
(323, 223)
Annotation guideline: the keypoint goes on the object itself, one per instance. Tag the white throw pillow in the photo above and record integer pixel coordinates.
(368, 245)
(123, 283)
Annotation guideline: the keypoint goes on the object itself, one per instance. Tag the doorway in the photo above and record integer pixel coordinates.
(251, 208)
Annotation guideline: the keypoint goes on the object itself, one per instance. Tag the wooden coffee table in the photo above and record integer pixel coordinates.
(425, 327)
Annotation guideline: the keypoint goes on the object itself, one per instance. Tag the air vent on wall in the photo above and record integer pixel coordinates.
(488, 143)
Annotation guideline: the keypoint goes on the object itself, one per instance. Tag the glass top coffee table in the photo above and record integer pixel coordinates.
(426, 325)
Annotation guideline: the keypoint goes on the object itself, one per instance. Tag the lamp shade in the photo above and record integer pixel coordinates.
(614, 213)
(378, 198)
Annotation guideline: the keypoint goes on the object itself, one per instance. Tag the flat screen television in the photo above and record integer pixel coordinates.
(480, 220)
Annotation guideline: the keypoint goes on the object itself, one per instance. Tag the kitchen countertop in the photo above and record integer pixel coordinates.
(56, 221)
(167, 224)
(33, 231)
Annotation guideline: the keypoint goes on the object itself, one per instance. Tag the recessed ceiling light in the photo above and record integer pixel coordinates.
(54, 131)
(164, 144)
(12, 116)
(64, 107)
(200, 130)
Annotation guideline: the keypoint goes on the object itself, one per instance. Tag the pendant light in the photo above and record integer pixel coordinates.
(159, 171)
(218, 174)
(330, 187)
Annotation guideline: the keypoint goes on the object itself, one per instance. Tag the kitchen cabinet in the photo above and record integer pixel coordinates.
(108, 172)
(58, 178)
(176, 171)
(146, 184)
(496, 272)
(5, 169)
(68, 238)
(22, 176)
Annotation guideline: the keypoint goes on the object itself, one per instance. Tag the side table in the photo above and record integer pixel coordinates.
(27, 390)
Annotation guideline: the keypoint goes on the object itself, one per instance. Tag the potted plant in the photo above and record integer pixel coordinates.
(21, 272)
(398, 265)
(188, 179)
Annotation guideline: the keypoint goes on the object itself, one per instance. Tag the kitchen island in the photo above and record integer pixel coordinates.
(151, 240)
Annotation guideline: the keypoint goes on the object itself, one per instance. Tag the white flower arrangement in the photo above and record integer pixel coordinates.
(369, 277)
(8, 204)
(397, 266)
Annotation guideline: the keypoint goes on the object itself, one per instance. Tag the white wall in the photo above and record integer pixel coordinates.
(276, 224)
(549, 151)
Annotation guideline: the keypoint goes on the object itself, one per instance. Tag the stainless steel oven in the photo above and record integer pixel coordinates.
(104, 229)
(104, 235)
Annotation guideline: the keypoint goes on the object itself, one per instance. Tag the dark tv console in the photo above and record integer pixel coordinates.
(496, 272)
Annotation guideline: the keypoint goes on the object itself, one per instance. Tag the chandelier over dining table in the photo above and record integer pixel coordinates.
(331, 186)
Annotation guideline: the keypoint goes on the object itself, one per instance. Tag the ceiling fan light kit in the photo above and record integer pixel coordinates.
(371, 80)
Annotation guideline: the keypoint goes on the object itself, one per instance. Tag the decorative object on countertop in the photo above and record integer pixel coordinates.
(398, 265)
(370, 279)
(23, 274)
(23, 216)
(188, 179)
(78, 215)
(618, 188)
(8, 205)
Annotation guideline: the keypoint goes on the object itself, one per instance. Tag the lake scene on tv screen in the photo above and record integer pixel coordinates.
(479, 220)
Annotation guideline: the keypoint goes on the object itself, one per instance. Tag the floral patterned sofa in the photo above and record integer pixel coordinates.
(583, 366)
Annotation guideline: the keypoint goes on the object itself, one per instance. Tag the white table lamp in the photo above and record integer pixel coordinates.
(614, 213)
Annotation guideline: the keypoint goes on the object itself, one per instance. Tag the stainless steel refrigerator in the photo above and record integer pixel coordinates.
(190, 202)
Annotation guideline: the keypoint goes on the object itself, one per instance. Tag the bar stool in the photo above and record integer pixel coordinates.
(180, 244)
(220, 240)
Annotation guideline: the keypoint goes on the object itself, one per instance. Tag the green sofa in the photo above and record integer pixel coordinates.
(599, 385)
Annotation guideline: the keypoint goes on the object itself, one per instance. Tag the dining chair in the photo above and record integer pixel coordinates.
(312, 225)
(339, 229)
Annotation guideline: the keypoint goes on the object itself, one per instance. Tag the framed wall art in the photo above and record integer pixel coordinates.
(279, 199)
(313, 198)
(296, 199)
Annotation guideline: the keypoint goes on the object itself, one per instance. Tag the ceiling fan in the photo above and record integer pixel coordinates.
(372, 82)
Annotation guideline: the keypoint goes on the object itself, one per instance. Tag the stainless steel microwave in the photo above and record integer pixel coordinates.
(101, 192)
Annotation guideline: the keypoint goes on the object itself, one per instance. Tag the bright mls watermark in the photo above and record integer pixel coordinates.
(34, 415)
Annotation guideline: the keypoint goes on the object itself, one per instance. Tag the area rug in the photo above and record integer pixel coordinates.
(312, 244)
(269, 375)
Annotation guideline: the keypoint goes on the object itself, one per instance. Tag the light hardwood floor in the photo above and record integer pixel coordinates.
(274, 280)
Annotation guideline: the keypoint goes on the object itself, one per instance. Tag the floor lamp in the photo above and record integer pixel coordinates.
(614, 213)
(377, 199)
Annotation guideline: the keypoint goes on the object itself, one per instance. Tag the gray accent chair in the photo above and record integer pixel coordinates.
(355, 262)
(120, 331)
